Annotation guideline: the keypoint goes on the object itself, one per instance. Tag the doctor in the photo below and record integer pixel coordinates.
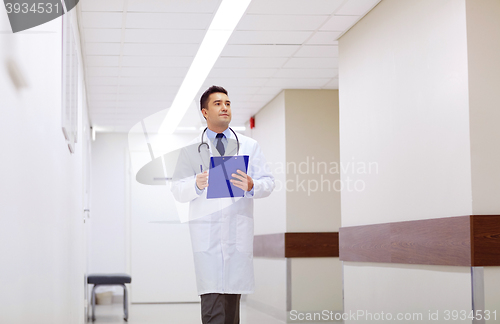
(221, 229)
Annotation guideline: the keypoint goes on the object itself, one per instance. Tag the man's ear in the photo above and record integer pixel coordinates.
(204, 112)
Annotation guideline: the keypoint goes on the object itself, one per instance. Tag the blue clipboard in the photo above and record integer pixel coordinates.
(221, 168)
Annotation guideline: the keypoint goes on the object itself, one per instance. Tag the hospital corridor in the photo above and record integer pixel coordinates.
(249, 161)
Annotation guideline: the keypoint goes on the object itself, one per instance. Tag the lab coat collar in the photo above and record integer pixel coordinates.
(211, 134)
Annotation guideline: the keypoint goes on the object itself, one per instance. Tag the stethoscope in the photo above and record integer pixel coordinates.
(208, 147)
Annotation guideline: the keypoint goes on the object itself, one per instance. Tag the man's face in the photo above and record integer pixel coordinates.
(218, 111)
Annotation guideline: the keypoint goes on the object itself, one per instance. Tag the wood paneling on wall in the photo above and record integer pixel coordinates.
(460, 241)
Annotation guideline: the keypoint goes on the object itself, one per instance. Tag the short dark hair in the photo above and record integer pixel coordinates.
(208, 92)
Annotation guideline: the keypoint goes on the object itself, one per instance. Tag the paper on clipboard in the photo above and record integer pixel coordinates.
(221, 168)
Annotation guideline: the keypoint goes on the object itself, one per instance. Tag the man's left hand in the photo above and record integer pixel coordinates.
(242, 180)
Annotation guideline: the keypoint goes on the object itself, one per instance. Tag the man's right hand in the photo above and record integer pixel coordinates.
(202, 180)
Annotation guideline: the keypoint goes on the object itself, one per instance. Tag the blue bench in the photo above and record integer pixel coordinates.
(115, 279)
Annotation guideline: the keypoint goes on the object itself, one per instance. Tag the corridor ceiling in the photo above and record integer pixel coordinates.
(137, 52)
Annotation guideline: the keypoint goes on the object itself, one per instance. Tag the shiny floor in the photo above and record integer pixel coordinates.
(170, 313)
(173, 313)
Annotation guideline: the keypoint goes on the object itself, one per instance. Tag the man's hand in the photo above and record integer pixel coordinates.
(242, 180)
(202, 180)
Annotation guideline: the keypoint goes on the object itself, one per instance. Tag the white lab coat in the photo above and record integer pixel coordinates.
(222, 229)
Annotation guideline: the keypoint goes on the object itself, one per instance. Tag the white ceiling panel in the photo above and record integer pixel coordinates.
(248, 105)
(269, 90)
(156, 105)
(103, 80)
(281, 22)
(324, 38)
(297, 83)
(311, 63)
(103, 89)
(269, 37)
(242, 73)
(154, 89)
(306, 73)
(259, 50)
(146, 106)
(164, 36)
(102, 35)
(295, 7)
(102, 106)
(109, 111)
(103, 71)
(151, 81)
(235, 91)
(236, 99)
(94, 97)
(103, 110)
(179, 72)
(102, 48)
(168, 21)
(160, 49)
(265, 98)
(357, 7)
(186, 6)
(121, 118)
(333, 84)
(318, 51)
(250, 62)
(340, 23)
(237, 82)
(101, 5)
(129, 114)
(157, 61)
(137, 71)
(132, 97)
(138, 97)
(102, 19)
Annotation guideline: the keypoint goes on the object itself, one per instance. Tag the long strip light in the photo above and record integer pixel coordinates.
(226, 18)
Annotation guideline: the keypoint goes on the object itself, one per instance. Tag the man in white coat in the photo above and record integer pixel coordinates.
(221, 229)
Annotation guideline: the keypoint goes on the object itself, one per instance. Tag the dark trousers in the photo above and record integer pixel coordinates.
(220, 309)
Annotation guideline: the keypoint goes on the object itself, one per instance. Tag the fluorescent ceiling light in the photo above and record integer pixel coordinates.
(227, 17)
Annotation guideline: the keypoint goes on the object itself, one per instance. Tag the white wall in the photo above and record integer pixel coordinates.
(405, 289)
(269, 131)
(316, 284)
(270, 213)
(404, 104)
(134, 227)
(108, 240)
(42, 235)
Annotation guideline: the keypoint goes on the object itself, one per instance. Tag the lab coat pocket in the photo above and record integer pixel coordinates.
(200, 235)
(244, 234)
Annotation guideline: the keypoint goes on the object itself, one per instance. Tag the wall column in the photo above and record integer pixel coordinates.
(417, 98)
(298, 132)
